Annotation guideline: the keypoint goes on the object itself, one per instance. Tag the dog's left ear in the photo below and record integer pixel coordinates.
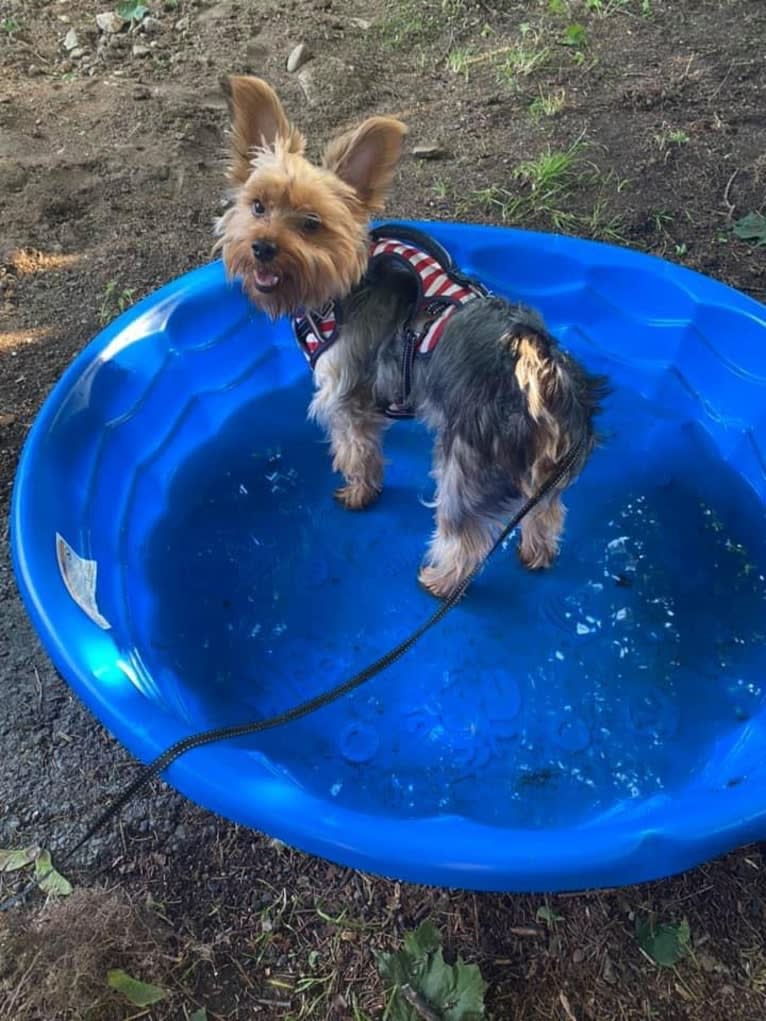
(366, 158)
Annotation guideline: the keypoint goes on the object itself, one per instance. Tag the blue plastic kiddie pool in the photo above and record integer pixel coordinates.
(181, 556)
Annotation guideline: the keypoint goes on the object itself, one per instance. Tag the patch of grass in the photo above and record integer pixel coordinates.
(551, 172)
(668, 136)
(10, 26)
(575, 36)
(459, 61)
(548, 104)
(607, 7)
(440, 188)
(526, 57)
(544, 191)
(412, 22)
(114, 301)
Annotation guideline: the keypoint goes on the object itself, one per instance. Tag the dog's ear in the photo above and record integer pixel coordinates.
(366, 158)
(257, 121)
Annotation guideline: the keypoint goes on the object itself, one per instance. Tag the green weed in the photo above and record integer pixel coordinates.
(114, 301)
(548, 104)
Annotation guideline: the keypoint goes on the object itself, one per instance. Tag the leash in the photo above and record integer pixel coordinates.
(206, 737)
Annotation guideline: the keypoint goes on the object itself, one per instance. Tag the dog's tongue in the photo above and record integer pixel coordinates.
(266, 279)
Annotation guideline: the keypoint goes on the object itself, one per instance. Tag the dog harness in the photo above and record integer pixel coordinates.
(441, 290)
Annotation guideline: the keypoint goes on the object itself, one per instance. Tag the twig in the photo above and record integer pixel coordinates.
(535, 931)
(564, 1001)
(39, 689)
(730, 206)
(418, 1004)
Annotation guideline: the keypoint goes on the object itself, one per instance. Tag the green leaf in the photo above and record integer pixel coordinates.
(131, 10)
(199, 1015)
(454, 991)
(470, 988)
(15, 858)
(557, 6)
(666, 943)
(752, 228)
(49, 879)
(547, 915)
(422, 942)
(140, 994)
(574, 35)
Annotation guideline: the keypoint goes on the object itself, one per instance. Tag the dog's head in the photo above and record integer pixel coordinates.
(296, 233)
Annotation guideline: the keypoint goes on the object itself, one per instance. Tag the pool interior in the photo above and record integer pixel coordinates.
(543, 700)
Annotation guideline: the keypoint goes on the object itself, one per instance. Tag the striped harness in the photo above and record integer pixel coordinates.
(441, 290)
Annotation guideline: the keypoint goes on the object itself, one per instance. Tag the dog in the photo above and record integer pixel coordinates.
(392, 329)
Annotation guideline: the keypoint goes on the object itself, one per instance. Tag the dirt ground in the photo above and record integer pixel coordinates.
(110, 176)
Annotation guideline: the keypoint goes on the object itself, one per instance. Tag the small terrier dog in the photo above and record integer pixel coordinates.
(401, 333)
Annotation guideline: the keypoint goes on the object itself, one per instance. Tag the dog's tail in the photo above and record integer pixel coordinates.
(562, 400)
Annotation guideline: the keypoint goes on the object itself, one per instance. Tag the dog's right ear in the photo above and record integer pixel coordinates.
(258, 121)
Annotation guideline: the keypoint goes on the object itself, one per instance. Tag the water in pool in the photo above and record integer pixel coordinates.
(541, 700)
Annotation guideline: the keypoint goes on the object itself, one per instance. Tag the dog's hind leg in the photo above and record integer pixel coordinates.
(470, 502)
(541, 533)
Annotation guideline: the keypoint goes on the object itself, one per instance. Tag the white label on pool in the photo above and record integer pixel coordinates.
(79, 576)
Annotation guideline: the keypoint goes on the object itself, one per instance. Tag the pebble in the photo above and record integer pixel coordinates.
(139, 50)
(110, 22)
(299, 56)
(429, 152)
(361, 23)
(77, 54)
(71, 42)
(151, 26)
(142, 92)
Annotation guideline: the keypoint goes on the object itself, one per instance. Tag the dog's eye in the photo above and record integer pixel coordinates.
(311, 223)
(257, 208)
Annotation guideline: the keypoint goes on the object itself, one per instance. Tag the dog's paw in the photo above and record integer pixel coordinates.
(537, 558)
(438, 582)
(356, 495)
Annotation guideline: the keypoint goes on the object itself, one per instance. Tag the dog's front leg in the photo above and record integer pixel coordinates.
(355, 429)
(355, 439)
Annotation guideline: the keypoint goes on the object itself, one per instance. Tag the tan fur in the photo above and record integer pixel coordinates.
(268, 165)
(454, 553)
(541, 534)
(257, 121)
(366, 158)
(355, 433)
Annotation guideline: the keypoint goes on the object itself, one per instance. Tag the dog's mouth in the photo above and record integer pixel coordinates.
(266, 280)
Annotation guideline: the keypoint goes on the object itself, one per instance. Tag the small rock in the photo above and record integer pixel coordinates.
(7, 418)
(361, 23)
(429, 152)
(609, 974)
(71, 42)
(139, 50)
(299, 56)
(182, 25)
(142, 92)
(118, 42)
(256, 52)
(151, 26)
(77, 54)
(110, 22)
(578, 956)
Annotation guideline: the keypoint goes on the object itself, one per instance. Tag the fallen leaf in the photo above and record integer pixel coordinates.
(15, 858)
(666, 944)
(140, 994)
(49, 879)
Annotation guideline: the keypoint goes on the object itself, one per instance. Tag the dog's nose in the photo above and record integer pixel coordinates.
(264, 250)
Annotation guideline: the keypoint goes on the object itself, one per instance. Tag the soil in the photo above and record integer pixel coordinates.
(110, 176)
